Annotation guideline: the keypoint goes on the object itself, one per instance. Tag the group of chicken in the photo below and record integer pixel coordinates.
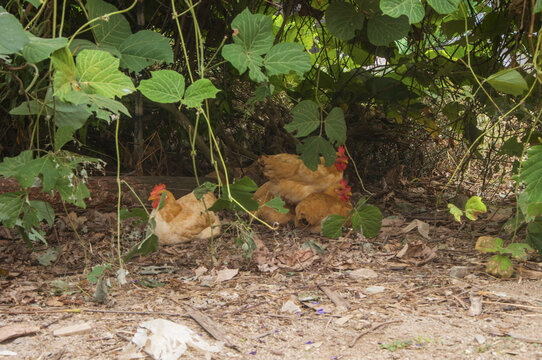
(310, 196)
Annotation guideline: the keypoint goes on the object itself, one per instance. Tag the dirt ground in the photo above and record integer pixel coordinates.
(356, 300)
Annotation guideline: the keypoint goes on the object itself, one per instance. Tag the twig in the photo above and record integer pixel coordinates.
(210, 326)
(335, 297)
(373, 328)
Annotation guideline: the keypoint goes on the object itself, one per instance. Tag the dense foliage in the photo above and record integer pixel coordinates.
(396, 80)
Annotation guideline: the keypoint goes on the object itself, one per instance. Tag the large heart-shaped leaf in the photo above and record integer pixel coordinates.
(311, 149)
(306, 118)
(198, 91)
(13, 37)
(413, 9)
(145, 48)
(165, 86)
(383, 29)
(286, 57)
(336, 126)
(508, 81)
(342, 20)
(39, 49)
(98, 73)
(108, 31)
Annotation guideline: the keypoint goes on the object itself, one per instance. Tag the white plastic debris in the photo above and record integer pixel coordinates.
(166, 340)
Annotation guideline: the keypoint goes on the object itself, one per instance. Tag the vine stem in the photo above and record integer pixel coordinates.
(119, 189)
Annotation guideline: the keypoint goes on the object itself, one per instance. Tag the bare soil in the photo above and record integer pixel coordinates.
(424, 310)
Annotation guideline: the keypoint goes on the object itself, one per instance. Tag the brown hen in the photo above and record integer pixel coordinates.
(183, 219)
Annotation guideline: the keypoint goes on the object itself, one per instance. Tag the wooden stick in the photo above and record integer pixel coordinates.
(335, 297)
(210, 326)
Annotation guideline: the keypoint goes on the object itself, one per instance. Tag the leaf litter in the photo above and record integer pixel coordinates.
(256, 304)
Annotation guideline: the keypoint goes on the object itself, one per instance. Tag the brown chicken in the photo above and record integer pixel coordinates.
(312, 210)
(268, 214)
(183, 219)
(290, 179)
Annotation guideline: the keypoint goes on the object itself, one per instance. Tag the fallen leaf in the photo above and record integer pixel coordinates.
(417, 253)
(423, 228)
(226, 274)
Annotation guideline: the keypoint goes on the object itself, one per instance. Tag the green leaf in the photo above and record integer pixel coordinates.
(252, 38)
(306, 118)
(165, 86)
(456, 212)
(286, 57)
(519, 251)
(198, 91)
(64, 114)
(508, 81)
(36, 3)
(537, 7)
(242, 61)
(39, 49)
(261, 93)
(145, 48)
(65, 75)
(501, 266)
(13, 37)
(242, 191)
(368, 218)
(109, 31)
(534, 234)
(443, 6)
(44, 211)
(383, 29)
(148, 245)
(62, 136)
(254, 32)
(413, 9)
(474, 207)
(332, 226)
(311, 149)
(11, 205)
(22, 167)
(96, 102)
(336, 126)
(96, 273)
(343, 20)
(277, 204)
(78, 45)
(98, 73)
(512, 147)
(531, 174)
(204, 189)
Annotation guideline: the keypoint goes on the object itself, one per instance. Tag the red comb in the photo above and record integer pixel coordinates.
(158, 188)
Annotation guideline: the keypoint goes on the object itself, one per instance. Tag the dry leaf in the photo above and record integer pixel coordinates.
(226, 274)
(423, 228)
(417, 253)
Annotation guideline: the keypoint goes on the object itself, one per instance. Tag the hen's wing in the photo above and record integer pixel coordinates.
(316, 207)
(290, 167)
(268, 214)
(192, 222)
